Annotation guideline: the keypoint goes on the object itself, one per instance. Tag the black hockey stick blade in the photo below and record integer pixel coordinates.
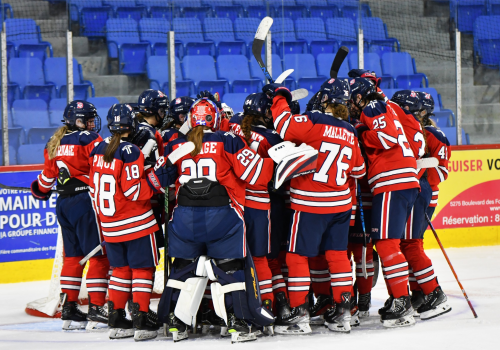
(258, 43)
(15, 188)
(337, 61)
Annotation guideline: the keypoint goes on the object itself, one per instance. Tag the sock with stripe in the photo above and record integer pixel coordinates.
(340, 273)
(284, 266)
(299, 279)
(120, 286)
(265, 277)
(320, 275)
(97, 280)
(394, 266)
(142, 287)
(423, 272)
(364, 284)
(279, 284)
(71, 277)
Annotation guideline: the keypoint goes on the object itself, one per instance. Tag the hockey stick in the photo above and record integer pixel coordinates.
(283, 76)
(258, 43)
(299, 94)
(425, 163)
(337, 61)
(376, 267)
(15, 188)
(362, 216)
(451, 266)
(92, 253)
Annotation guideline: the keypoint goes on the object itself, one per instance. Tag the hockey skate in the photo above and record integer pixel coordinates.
(364, 303)
(400, 314)
(177, 328)
(145, 324)
(317, 311)
(209, 319)
(119, 326)
(387, 306)
(71, 313)
(338, 319)
(354, 313)
(435, 305)
(294, 321)
(239, 329)
(417, 300)
(97, 314)
(268, 330)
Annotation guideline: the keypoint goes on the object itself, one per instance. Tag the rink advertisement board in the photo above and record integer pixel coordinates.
(28, 227)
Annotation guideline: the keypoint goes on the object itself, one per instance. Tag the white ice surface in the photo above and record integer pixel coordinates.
(478, 269)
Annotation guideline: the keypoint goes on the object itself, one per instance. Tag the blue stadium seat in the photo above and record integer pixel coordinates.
(55, 73)
(324, 63)
(323, 12)
(30, 154)
(13, 93)
(235, 101)
(244, 29)
(56, 111)
(494, 7)
(277, 69)
(305, 73)
(155, 32)
(26, 39)
(313, 31)
(309, 3)
(158, 76)
(12, 154)
(124, 43)
(292, 12)
(76, 7)
(29, 114)
(16, 134)
(464, 12)
(438, 103)
(93, 21)
(443, 119)
(228, 11)
(7, 11)
(201, 70)
(372, 62)
(375, 33)
(401, 66)
(40, 135)
(103, 104)
(189, 38)
(259, 10)
(246, 3)
(349, 8)
(220, 31)
(343, 31)
(487, 40)
(451, 135)
(127, 9)
(27, 73)
(390, 92)
(284, 37)
(234, 68)
(159, 9)
(194, 9)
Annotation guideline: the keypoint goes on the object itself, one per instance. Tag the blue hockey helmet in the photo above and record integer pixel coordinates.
(121, 118)
(427, 102)
(408, 98)
(335, 91)
(153, 102)
(257, 104)
(364, 73)
(361, 86)
(179, 108)
(80, 115)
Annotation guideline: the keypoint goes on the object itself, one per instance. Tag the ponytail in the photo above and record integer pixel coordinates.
(196, 137)
(114, 143)
(339, 111)
(55, 141)
(246, 127)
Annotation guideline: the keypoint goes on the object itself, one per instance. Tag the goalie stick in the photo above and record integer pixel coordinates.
(258, 43)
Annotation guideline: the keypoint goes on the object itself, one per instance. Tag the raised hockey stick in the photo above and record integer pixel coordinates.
(337, 61)
(451, 266)
(425, 163)
(258, 43)
(92, 253)
(283, 76)
(362, 217)
(299, 94)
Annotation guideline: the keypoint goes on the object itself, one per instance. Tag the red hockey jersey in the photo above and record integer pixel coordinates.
(121, 193)
(72, 154)
(257, 197)
(156, 133)
(169, 135)
(439, 147)
(227, 159)
(327, 190)
(391, 163)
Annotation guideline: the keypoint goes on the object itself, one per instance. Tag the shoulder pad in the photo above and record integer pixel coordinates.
(236, 119)
(375, 108)
(129, 152)
(232, 142)
(85, 137)
(438, 134)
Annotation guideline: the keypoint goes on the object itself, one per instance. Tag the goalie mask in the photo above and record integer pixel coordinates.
(81, 115)
(204, 112)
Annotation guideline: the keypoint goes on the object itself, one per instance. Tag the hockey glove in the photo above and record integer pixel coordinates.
(208, 94)
(35, 191)
(313, 102)
(274, 89)
(161, 176)
(360, 128)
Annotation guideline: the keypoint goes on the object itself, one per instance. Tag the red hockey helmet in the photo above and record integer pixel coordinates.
(204, 112)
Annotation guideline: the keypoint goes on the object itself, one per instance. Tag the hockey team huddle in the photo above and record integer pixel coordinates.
(264, 210)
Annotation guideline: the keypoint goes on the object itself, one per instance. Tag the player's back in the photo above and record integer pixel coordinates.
(412, 129)
(155, 133)
(439, 147)
(121, 192)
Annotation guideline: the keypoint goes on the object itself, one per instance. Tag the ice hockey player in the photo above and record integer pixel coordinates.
(252, 127)
(122, 193)
(178, 111)
(322, 201)
(368, 74)
(207, 232)
(392, 175)
(67, 166)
